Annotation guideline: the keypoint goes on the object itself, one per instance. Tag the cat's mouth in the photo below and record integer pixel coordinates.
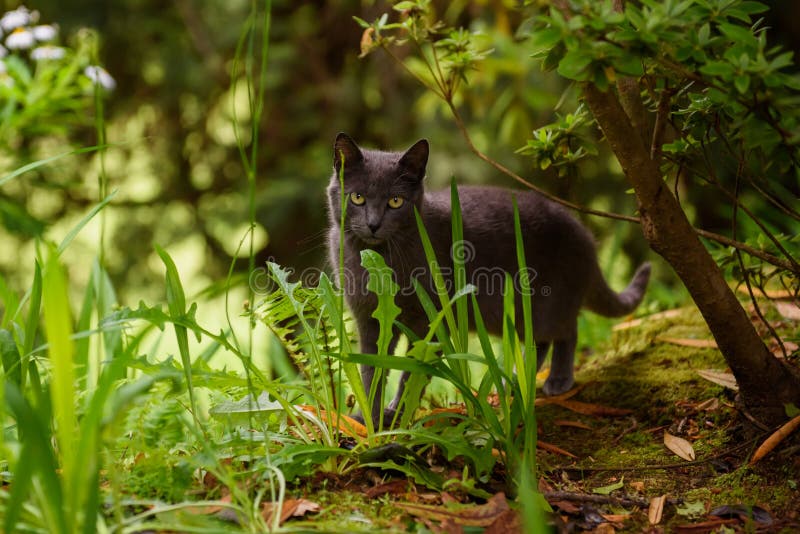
(371, 240)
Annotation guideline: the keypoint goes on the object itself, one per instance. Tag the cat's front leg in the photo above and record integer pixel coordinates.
(373, 378)
(561, 376)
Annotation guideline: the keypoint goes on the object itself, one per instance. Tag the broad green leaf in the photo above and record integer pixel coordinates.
(544, 40)
(574, 65)
(742, 83)
(606, 490)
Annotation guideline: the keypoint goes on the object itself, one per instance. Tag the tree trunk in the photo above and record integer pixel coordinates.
(765, 383)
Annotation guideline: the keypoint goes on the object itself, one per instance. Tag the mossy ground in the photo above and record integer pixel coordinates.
(658, 381)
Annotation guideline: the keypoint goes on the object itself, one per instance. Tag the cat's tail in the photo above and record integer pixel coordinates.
(605, 301)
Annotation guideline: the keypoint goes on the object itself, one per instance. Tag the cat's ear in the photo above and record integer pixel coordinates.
(345, 148)
(415, 159)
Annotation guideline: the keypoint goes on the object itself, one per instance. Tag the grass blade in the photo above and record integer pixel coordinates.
(47, 161)
(176, 303)
(32, 322)
(36, 459)
(84, 221)
(58, 327)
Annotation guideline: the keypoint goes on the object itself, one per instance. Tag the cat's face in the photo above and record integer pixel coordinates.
(380, 190)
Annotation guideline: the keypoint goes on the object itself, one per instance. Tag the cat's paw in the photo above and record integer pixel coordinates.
(557, 385)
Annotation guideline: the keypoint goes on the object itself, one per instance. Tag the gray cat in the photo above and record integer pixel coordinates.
(382, 189)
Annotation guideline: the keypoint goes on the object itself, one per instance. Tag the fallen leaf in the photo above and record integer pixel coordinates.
(772, 294)
(584, 408)
(721, 378)
(394, 487)
(668, 314)
(789, 310)
(573, 424)
(638, 485)
(508, 522)
(679, 446)
(616, 518)
(709, 405)
(689, 342)
(346, 424)
(553, 448)
(290, 508)
(656, 509)
(606, 490)
(565, 506)
(771, 442)
(790, 346)
(604, 528)
(481, 515)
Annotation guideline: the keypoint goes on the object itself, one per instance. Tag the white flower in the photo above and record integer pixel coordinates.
(44, 32)
(20, 38)
(3, 51)
(47, 52)
(16, 18)
(100, 76)
(2, 67)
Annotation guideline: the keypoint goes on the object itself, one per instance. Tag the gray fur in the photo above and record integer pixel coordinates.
(559, 250)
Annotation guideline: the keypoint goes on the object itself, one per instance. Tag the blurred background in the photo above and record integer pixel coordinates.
(178, 168)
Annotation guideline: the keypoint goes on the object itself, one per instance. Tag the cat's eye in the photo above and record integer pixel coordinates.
(395, 202)
(357, 198)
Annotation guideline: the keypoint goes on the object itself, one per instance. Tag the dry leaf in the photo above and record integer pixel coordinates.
(346, 424)
(615, 518)
(773, 441)
(509, 522)
(604, 528)
(584, 408)
(789, 310)
(573, 424)
(790, 347)
(290, 508)
(475, 516)
(668, 314)
(679, 446)
(656, 509)
(638, 485)
(553, 448)
(689, 342)
(772, 294)
(726, 380)
(709, 405)
(394, 487)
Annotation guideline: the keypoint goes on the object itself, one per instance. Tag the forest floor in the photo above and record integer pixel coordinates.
(650, 440)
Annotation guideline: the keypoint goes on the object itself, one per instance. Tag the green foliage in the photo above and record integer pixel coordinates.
(45, 88)
(561, 144)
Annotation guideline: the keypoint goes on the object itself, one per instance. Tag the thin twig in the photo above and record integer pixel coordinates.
(601, 499)
(508, 172)
(439, 91)
(676, 465)
(745, 274)
(662, 118)
(744, 208)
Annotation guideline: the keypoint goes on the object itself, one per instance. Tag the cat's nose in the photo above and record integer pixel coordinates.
(373, 227)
